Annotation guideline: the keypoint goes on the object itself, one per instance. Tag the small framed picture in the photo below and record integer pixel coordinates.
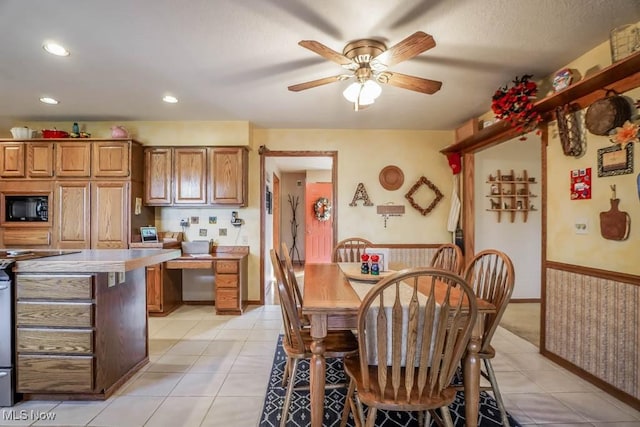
(195, 220)
(614, 160)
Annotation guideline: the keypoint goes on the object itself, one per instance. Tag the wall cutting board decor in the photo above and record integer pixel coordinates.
(615, 224)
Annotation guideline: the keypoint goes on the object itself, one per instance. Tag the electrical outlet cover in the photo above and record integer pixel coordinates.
(581, 226)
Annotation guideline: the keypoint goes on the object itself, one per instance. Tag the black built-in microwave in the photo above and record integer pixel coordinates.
(26, 208)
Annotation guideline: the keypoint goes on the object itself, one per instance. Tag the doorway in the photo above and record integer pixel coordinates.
(273, 164)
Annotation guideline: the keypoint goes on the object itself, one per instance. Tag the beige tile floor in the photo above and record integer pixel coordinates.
(208, 370)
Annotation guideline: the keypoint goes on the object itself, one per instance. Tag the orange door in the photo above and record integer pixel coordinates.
(318, 242)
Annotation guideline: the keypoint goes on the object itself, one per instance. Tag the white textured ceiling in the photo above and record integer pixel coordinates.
(233, 59)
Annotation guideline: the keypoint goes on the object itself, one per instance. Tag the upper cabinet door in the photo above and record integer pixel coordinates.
(111, 158)
(109, 214)
(190, 169)
(40, 159)
(12, 160)
(73, 159)
(229, 176)
(157, 179)
(72, 211)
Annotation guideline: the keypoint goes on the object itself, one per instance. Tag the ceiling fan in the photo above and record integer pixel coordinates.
(369, 60)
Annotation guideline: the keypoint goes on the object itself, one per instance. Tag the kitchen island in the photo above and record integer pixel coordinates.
(81, 322)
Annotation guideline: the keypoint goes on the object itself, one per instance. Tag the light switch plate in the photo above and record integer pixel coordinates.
(581, 226)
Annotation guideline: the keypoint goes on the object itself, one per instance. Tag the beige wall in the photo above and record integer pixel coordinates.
(591, 250)
(361, 156)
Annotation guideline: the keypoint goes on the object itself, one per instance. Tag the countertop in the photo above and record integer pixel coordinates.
(98, 261)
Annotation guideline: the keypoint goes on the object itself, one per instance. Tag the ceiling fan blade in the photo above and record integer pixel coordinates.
(414, 83)
(319, 82)
(325, 52)
(413, 45)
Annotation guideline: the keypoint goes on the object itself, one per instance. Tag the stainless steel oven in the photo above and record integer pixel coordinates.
(7, 337)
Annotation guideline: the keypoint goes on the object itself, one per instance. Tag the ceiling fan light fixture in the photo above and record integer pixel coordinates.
(362, 93)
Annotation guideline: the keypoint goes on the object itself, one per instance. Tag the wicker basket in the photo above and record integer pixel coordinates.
(624, 41)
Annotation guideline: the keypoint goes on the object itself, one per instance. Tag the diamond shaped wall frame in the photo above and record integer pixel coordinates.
(424, 181)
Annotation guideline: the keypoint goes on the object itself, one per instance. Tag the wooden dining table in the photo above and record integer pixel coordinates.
(331, 303)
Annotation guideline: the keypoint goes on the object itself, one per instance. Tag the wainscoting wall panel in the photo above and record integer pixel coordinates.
(593, 322)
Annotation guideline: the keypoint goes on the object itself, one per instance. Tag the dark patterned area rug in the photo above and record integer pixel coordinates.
(300, 415)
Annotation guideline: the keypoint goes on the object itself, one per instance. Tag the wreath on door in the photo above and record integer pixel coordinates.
(322, 209)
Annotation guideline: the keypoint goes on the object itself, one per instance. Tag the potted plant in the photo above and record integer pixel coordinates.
(515, 105)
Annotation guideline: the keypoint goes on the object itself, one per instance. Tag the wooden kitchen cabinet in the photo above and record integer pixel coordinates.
(196, 176)
(92, 214)
(72, 227)
(79, 334)
(231, 277)
(164, 289)
(158, 167)
(55, 334)
(228, 171)
(73, 159)
(111, 159)
(12, 160)
(190, 176)
(109, 214)
(40, 159)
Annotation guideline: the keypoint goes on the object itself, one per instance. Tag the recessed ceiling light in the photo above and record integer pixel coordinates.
(170, 99)
(47, 100)
(55, 49)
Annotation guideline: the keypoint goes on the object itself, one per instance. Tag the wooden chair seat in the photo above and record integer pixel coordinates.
(338, 344)
(386, 400)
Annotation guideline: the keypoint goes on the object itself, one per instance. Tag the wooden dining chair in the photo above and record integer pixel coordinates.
(413, 328)
(491, 275)
(448, 257)
(293, 282)
(297, 340)
(349, 250)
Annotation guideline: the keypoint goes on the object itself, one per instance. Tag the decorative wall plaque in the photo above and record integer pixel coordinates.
(361, 194)
(424, 181)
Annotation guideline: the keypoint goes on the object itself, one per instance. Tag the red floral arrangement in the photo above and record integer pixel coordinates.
(515, 104)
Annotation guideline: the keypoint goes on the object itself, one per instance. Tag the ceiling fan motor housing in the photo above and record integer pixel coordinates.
(362, 51)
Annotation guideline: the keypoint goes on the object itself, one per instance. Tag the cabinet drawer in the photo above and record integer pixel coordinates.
(75, 341)
(63, 287)
(226, 281)
(226, 299)
(64, 314)
(55, 374)
(226, 266)
(24, 237)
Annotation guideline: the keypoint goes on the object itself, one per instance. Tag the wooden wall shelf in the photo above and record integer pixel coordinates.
(511, 193)
(621, 77)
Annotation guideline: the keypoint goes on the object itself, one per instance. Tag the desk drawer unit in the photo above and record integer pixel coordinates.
(228, 298)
